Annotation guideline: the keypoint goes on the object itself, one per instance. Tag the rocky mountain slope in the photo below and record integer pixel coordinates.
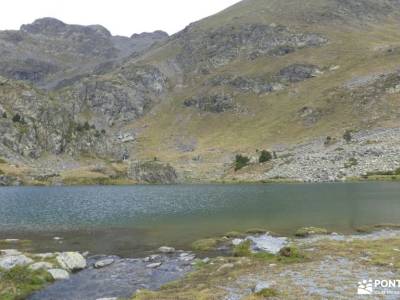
(50, 53)
(273, 75)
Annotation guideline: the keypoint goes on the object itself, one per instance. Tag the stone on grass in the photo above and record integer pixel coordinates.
(261, 286)
(206, 260)
(12, 261)
(10, 252)
(236, 242)
(58, 274)
(71, 261)
(226, 267)
(41, 265)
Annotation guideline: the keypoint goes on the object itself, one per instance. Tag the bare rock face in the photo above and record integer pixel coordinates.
(152, 172)
(298, 72)
(137, 89)
(212, 103)
(203, 51)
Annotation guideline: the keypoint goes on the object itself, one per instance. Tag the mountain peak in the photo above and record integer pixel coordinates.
(44, 25)
(158, 34)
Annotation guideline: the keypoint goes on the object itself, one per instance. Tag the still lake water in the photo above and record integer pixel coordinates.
(130, 220)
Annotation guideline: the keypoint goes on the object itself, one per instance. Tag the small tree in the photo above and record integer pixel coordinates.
(347, 136)
(86, 126)
(241, 161)
(4, 115)
(265, 156)
(328, 140)
(16, 118)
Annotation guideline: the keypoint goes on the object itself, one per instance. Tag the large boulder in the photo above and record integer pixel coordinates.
(71, 261)
(152, 172)
(9, 262)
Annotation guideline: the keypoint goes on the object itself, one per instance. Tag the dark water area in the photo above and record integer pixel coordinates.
(130, 220)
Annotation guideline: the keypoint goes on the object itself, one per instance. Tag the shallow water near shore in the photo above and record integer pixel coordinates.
(130, 220)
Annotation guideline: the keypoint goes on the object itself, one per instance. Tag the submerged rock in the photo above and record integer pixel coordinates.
(165, 249)
(154, 265)
(104, 263)
(72, 261)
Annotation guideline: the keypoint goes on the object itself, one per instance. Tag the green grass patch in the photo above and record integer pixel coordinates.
(286, 255)
(19, 282)
(307, 231)
(234, 234)
(267, 293)
(205, 244)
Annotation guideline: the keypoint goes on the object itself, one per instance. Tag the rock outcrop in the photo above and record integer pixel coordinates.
(213, 103)
(152, 172)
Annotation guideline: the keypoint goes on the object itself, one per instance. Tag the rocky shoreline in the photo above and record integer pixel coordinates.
(243, 266)
(327, 159)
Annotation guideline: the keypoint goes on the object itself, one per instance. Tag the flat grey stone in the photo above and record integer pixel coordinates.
(103, 263)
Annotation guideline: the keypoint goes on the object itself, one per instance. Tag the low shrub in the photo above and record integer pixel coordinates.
(265, 156)
(241, 161)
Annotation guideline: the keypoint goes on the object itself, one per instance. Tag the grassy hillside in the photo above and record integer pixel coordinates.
(362, 43)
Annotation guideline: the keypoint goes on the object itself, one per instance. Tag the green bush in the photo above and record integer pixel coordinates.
(205, 244)
(265, 156)
(241, 161)
(4, 115)
(86, 126)
(243, 249)
(267, 293)
(17, 118)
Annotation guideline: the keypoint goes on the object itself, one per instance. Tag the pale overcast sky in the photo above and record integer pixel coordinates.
(121, 17)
